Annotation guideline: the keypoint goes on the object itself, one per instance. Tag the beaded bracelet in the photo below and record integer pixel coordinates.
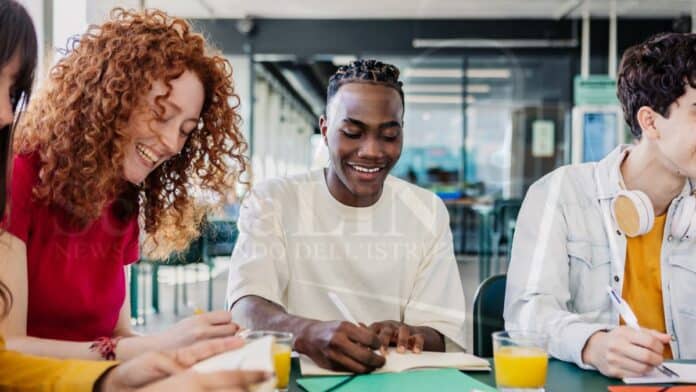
(106, 347)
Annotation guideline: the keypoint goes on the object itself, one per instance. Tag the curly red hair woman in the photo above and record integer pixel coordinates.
(136, 117)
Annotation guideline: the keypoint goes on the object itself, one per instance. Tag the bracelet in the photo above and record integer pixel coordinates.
(106, 347)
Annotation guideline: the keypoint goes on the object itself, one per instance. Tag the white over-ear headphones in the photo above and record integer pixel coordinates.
(633, 212)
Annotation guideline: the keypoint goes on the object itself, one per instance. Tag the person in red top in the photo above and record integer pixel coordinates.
(76, 283)
(136, 115)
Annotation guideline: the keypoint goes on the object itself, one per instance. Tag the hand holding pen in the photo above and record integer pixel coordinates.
(632, 321)
(390, 333)
(341, 345)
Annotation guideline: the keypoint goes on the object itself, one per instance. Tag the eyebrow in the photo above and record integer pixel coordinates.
(176, 107)
(382, 126)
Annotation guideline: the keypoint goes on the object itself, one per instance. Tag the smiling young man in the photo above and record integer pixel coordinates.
(627, 222)
(382, 245)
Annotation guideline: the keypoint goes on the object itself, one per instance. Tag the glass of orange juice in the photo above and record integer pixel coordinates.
(520, 361)
(282, 349)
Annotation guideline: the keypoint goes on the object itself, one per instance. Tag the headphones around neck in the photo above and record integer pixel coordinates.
(633, 212)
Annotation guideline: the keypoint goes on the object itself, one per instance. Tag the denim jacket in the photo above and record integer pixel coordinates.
(561, 263)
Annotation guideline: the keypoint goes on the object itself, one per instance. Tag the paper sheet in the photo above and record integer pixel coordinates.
(686, 372)
(397, 362)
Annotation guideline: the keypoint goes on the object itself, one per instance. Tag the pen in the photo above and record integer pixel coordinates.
(632, 321)
(346, 314)
(342, 307)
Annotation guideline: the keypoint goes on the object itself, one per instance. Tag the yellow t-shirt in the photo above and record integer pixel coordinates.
(642, 287)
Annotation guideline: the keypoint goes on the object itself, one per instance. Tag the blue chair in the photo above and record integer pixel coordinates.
(489, 303)
(501, 226)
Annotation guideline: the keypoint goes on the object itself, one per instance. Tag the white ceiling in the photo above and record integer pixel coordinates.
(418, 9)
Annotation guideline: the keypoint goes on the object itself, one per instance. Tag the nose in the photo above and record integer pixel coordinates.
(371, 148)
(170, 141)
(6, 110)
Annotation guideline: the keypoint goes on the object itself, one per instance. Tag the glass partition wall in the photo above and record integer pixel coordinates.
(479, 128)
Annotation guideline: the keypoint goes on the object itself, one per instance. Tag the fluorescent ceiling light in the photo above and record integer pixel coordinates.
(488, 73)
(494, 43)
(439, 99)
(446, 88)
(342, 60)
(457, 73)
(273, 58)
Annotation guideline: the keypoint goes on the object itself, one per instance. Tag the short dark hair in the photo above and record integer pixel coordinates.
(654, 74)
(365, 71)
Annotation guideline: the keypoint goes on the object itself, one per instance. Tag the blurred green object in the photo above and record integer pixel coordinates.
(441, 380)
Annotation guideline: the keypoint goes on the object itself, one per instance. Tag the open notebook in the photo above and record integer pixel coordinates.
(686, 372)
(255, 355)
(397, 362)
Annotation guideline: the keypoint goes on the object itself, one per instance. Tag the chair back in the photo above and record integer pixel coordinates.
(489, 302)
(505, 212)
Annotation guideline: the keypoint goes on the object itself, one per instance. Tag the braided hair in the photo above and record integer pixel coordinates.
(365, 71)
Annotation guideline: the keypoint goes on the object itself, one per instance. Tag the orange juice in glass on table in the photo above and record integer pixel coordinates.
(281, 363)
(520, 360)
(281, 351)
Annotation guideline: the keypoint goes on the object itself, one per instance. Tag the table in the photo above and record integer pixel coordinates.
(562, 376)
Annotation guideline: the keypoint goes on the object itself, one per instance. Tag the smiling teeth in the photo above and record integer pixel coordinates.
(146, 153)
(366, 170)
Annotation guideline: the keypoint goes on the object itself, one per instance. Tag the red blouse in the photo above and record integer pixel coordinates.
(76, 279)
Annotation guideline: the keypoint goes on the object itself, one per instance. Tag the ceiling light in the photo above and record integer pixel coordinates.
(342, 60)
(439, 99)
(415, 88)
(274, 58)
(494, 43)
(488, 73)
(457, 73)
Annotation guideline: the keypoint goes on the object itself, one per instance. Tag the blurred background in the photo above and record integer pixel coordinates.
(498, 93)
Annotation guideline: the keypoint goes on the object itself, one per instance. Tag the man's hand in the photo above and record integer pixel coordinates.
(394, 333)
(340, 345)
(625, 352)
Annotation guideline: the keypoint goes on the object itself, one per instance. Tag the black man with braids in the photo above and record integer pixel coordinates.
(382, 245)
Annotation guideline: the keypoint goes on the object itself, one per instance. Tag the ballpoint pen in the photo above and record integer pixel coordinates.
(342, 307)
(347, 315)
(632, 321)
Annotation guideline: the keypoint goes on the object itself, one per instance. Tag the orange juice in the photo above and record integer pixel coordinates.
(520, 367)
(281, 363)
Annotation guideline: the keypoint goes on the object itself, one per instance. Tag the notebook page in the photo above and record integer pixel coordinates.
(255, 355)
(399, 362)
(686, 372)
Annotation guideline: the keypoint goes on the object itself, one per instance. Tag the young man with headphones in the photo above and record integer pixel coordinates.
(627, 222)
